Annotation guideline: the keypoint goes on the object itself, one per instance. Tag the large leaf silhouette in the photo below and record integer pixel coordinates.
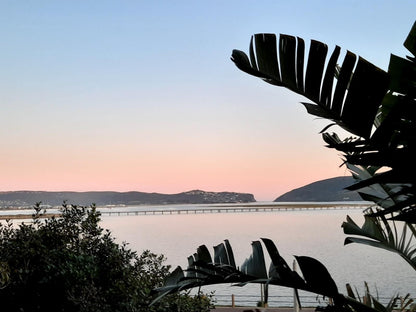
(206, 271)
(353, 102)
(377, 106)
(378, 232)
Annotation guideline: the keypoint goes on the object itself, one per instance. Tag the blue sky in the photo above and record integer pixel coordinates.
(142, 95)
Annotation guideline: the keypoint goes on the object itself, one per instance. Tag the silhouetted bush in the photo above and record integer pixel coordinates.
(70, 263)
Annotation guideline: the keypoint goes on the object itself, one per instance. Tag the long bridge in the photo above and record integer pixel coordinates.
(200, 209)
(232, 209)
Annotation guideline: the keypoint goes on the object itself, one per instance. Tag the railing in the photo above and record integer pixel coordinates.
(274, 301)
(283, 301)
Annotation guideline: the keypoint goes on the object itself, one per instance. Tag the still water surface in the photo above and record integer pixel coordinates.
(315, 233)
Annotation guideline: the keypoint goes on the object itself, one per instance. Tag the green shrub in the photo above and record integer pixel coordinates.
(69, 263)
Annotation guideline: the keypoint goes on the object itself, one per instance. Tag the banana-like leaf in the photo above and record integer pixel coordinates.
(404, 206)
(223, 254)
(393, 197)
(220, 254)
(281, 63)
(377, 187)
(378, 233)
(402, 72)
(380, 193)
(410, 42)
(279, 270)
(407, 215)
(199, 273)
(173, 284)
(203, 254)
(317, 276)
(191, 261)
(255, 265)
(370, 229)
(230, 253)
(361, 97)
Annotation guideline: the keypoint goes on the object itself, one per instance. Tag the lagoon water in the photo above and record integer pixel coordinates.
(315, 233)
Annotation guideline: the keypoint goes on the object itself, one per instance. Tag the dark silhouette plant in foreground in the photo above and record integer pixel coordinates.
(379, 109)
(70, 263)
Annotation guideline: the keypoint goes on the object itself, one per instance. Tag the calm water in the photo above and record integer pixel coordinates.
(315, 233)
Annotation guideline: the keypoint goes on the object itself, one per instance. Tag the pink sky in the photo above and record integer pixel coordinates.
(142, 96)
(229, 162)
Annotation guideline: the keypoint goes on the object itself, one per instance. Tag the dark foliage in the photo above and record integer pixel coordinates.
(70, 263)
(379, 109)
(376, 106)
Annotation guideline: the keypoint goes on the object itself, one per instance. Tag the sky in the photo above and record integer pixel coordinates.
(143, 96)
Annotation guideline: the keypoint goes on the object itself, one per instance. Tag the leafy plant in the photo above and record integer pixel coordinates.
(69, 263)
(375, 105)
(395, 304)
(205, 270)
(379, 108)
(282, 63)
(378, 232)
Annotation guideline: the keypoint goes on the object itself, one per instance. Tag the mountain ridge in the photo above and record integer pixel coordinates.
(24, 199)
(332, 189)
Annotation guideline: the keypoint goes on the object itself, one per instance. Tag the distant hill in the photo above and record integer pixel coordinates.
(29, 198)
(325, 190)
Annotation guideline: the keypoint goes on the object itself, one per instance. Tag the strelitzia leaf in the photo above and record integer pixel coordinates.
(380, 234)
(220, 254)
(317, 110)
(203, 254)
(317, 276)
(279, 270)
(327, 127)
(410, 42)
(359, 306)
(368, 242)
(173, 284)
(402, 72)
(369, 229)
(284, 67)
(230, 253)
(315, 70)
(255, 265)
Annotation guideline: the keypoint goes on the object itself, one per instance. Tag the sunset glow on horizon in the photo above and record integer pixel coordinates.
(142, 96)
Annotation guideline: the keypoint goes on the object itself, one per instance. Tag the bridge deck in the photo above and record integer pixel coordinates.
(229, 209)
